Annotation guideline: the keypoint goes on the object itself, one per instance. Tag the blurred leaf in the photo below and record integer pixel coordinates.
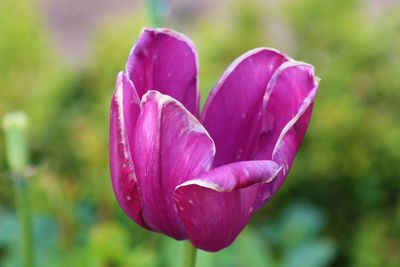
(140, 257)
(376, 243)
(46, 234)
(317, 253)
(298, 222)
(86, 212)
(108, 244)
(172, 252)
(249, 250)
(9, 228)
(45, 240)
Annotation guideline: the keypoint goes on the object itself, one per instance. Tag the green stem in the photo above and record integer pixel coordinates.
(156, 11)
(189, 255)
(14, 125)
(24, 209)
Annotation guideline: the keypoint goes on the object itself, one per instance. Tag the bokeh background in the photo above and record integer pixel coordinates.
(340, 205)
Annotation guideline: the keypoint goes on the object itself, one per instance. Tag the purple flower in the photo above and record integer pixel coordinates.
(202, 177)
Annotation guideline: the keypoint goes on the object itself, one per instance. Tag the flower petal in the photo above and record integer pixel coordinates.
(171, 146)
(123, 114)
(166, 61)
(288, 109)
(215, 207)
(233, 112)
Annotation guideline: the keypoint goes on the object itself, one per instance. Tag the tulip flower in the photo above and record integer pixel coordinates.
(202, 176)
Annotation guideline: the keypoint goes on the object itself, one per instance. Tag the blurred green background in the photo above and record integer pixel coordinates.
(340, 205)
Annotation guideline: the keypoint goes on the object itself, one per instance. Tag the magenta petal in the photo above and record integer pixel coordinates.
(217, 205)
(165, 61)
(288, 109)
(233, 113)
(124, 112)
(171, 146)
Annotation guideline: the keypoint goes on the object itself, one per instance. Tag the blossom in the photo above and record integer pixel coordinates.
(202, 176)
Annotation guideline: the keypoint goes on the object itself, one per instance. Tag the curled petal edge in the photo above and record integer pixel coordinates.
(122, 170)
(215, 207)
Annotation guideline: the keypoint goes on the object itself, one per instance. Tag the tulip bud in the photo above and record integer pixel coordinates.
(14, 125)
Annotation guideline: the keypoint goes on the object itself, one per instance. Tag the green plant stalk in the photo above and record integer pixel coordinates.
(156, 13)
(14, 125)
(189, 255)
(24, 210)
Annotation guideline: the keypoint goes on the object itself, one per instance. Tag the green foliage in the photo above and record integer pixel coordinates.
(295, 234)
(376, 242)
(348, 165)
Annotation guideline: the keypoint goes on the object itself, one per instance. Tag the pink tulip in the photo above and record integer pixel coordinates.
(202, 177)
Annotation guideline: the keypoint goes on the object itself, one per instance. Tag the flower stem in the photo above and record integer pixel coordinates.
(22, 194)
(157, 12)
(189, 255)
(14, 125)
